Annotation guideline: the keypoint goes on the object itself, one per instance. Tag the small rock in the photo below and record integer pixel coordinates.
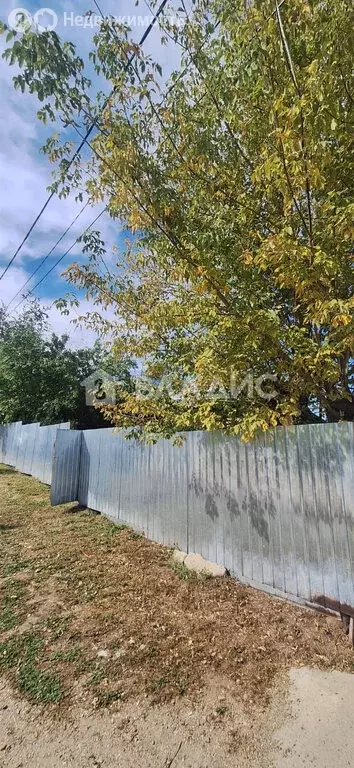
(103, 654)
(2, 747)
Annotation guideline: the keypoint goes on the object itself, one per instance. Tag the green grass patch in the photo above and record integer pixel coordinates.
(96, 678)
(22, 654)
(181, 570)
(20, 649)
(10, 604)
(136, 535)
(7, 527)
(73, 655)
(14, 567)
(57, 626)
(111, 529)
(221, 709)
(107, 698)
(8, 619)
(171, 682)
(40, 687)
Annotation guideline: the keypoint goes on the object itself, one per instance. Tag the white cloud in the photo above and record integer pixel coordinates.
(11, 282)
(62, 324)
(25, 176)
(25, 173)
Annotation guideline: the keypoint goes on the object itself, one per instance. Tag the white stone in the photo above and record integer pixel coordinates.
(103, 654)
(197, 563)
(179, 556)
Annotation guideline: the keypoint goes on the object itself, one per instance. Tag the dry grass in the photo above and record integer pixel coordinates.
(91, 612)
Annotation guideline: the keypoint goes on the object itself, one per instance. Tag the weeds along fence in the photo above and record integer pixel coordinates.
(277, 512)
(29, 448)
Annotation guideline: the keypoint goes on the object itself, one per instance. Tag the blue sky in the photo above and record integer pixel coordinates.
(25, 173)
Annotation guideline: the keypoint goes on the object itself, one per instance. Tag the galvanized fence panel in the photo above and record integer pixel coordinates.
(28, 435)
(277, 512)
(42, 460)
(9, 442)
(13, 446)
(90, 470)
(29, 448)
(40, 453)
(137, 484)
(66, 467)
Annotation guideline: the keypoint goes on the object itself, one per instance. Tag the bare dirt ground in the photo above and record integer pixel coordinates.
(318, 727)
(210, 731)
(111, 655)
(309, 722)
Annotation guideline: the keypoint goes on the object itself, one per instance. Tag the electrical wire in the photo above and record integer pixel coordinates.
(83, 142)
(60, 259)
(48, 255)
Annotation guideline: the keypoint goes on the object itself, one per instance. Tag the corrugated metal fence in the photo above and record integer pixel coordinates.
(29, 448)
(277, 512)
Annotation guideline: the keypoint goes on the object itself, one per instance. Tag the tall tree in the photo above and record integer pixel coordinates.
(41, 377)
(238, 184)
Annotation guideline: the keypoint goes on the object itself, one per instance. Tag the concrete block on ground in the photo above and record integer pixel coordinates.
(197, 563)
(178, 556)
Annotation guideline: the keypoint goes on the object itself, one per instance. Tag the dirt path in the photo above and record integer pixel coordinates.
(308, 723)
(320, 729)
(111, 655)
(213, 731)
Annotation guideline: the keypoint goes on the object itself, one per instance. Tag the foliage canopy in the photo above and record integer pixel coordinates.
(41, 377)
(238, 184)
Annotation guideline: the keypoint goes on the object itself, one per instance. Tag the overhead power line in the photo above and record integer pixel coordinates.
(48, 255)
(83, 142)
(27, 234)
(96, 124)
(61, 257)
